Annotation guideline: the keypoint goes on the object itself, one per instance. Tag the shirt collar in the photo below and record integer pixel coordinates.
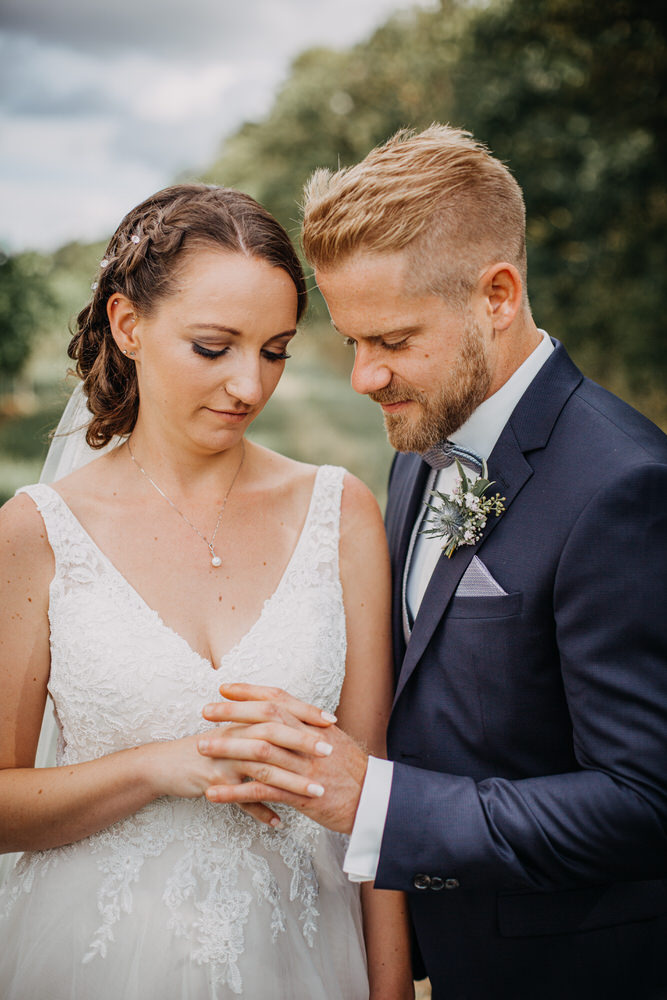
(484, 426)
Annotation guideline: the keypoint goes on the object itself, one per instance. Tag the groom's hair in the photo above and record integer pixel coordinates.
(438, 194)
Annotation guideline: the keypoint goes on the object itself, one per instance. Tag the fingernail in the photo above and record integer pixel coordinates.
(328, 717)
(209, 708)
(315, 790)
(203, 744)
(324, 749)
(276, 823)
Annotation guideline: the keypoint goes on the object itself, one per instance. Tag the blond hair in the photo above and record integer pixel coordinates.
(439, 194)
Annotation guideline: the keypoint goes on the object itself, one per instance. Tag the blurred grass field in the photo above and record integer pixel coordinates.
(314, 415)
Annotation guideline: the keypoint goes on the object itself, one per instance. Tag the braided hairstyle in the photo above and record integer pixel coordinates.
(143, 261)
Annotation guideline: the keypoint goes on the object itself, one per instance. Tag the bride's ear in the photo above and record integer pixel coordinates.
(122, 322)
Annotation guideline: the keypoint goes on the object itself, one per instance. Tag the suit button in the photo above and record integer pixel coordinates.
(451, 883)
(437, 883)
(422, 882)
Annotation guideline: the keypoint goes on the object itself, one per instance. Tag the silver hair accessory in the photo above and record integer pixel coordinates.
(134, 238)
(216, 561)
(94, 286)
(104, 263)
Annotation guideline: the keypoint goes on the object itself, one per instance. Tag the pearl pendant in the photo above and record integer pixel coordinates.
(216, 561)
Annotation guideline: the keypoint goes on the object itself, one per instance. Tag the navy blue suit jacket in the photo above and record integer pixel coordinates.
(528, 811)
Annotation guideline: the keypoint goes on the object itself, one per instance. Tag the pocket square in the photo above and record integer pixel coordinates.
(478, 582)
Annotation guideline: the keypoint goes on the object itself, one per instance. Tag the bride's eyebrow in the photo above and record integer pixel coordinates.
(217, 327)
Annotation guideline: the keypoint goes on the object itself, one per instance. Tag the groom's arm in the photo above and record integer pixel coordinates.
(605, 821)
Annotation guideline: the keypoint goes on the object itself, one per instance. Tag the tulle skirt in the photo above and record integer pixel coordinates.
(66, 936)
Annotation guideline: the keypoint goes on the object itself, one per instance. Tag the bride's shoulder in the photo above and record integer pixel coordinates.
(22, 532)
(357, 501)
(279, 472)
(95, 475)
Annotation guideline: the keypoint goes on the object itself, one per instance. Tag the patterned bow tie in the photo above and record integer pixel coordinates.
(446, 452)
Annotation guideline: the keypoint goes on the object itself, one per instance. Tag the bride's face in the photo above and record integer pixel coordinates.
(210, 354)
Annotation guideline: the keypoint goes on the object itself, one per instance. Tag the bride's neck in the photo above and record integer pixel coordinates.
(174, 465)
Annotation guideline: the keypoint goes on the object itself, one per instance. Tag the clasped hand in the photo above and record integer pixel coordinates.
(293, 752)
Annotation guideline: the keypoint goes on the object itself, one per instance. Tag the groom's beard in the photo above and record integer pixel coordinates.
(444, 411)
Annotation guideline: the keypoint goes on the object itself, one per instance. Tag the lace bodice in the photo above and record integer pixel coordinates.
(121, 677)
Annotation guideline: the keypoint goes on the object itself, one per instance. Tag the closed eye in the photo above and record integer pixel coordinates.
(273, 356)
(206, 352)
(395, 345)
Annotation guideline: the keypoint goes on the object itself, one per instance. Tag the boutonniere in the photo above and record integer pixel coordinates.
(459, 517)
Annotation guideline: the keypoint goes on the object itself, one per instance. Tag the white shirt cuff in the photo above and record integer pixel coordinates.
(363, 852)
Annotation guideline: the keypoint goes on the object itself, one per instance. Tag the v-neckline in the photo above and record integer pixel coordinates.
(156, 614)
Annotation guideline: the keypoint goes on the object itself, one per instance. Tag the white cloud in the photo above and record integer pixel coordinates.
(103, 104)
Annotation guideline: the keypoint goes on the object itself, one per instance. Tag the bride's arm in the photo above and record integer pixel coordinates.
(47, 807)
(364, 709)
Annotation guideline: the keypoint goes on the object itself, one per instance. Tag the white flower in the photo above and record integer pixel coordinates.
(460, 516)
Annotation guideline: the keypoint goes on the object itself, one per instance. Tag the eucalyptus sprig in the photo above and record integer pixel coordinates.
(459, 517)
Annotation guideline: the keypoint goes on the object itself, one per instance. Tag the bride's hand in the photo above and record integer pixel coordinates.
(178, 768)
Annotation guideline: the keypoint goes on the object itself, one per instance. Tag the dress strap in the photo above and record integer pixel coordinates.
(322, 530)
(71, 545)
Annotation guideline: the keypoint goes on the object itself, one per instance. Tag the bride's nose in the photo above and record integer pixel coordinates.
(244, 383)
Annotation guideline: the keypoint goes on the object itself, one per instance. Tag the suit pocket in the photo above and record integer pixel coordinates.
(503, 606)
(572, 910)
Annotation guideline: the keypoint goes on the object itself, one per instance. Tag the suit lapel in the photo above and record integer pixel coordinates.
(528, 428)
(402, 511)
(507, 456)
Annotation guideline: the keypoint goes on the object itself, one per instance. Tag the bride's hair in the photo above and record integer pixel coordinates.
(143, 261)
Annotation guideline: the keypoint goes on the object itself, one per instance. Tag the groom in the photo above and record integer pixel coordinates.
(525, 811)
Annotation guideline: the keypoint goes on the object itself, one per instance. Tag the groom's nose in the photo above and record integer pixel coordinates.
(369, 373)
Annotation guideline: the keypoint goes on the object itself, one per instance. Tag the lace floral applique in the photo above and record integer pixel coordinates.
(126, 678)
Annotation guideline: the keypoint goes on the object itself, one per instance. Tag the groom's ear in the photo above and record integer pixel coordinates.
(502, 289)
(122, 322)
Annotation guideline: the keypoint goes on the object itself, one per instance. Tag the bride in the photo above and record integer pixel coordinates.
(182, 558)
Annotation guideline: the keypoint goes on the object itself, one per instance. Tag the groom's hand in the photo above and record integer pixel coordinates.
(282, 734)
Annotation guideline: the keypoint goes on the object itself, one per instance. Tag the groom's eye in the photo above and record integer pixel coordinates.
(395, 345)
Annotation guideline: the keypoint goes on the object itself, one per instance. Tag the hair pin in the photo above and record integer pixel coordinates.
(134, 238)
(104, 263)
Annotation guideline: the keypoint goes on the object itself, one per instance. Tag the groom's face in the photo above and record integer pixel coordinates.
(422, 360)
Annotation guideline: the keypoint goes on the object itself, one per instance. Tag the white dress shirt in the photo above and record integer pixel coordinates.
(479, 434)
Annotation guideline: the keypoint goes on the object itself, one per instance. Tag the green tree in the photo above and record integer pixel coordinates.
(570, 95)
(25, 301)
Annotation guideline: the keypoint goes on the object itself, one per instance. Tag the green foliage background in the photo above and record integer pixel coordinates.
(569, 93)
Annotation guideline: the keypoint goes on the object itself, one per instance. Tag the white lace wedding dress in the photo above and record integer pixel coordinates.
(184, 900)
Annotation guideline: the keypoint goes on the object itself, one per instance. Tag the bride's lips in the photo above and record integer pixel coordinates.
(230, 416)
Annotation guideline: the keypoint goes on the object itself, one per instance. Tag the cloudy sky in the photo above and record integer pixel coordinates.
(104, 101)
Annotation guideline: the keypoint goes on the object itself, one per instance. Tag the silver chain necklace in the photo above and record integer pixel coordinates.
(216, 561)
